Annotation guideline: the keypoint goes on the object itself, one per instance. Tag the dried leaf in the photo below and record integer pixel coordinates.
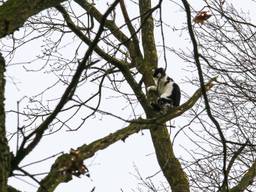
(201, 17)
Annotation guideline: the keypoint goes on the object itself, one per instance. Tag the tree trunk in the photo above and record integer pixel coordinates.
(169, 164)
(4, 149)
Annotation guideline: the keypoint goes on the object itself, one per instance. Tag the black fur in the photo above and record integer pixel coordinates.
(164, 85)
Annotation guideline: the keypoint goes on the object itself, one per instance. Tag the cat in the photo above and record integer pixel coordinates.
(168, 91)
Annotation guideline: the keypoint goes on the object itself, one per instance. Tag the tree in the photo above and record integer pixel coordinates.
(116, 56)
(223, 47)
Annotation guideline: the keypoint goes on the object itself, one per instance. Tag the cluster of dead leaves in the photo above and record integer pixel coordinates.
(74, 165)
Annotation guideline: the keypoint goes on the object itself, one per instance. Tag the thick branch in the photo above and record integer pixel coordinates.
(13, 13)
(169, 164)
(246, 180)
(133, 32)
(55, 177)
(91, 9)
(4, 148)
(187, 105)
(12, 189)
(147, 34)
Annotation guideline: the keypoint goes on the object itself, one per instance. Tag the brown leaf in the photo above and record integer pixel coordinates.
(201, 17)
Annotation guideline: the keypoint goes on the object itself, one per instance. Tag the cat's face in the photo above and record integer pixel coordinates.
(158, 72)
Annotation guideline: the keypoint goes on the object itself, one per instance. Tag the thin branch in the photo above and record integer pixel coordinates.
(30, 175)
(246, 180)
(207, 105)
(67, 95)
(163, 37)
(121, 65)
(235, 156)
(131, 29)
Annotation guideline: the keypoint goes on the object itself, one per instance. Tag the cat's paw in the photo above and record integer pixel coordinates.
(164, 102)
(152, 88)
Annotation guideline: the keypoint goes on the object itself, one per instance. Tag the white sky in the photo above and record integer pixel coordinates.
(113, 168)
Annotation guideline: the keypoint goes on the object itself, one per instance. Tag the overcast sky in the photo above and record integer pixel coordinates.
(114, 168)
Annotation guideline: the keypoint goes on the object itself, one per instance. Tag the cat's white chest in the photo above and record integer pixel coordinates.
(164, 87)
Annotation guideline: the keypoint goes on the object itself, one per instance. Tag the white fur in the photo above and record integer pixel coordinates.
(164, 90)
(152, 88)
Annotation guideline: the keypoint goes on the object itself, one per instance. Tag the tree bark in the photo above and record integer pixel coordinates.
(4, 149)
(148, 42)
(169, 164)
(246, 180)
(14, 13)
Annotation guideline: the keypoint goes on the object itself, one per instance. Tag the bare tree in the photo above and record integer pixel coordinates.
(223, 45)
(114, 54)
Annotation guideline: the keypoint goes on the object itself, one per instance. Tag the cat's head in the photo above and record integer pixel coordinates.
(158, 73)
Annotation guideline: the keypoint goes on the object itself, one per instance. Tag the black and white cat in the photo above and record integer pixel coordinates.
(167, 90)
